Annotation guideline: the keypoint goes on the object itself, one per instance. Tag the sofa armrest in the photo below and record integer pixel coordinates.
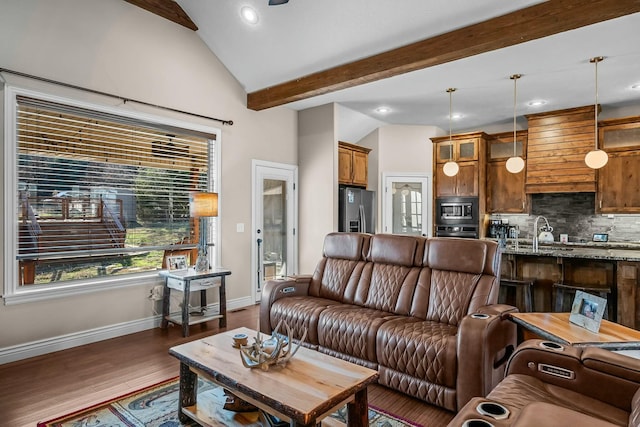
(535, 414)
(546, 414)
(273, 290)
(593, 372)
(486, 340)
(501, 310)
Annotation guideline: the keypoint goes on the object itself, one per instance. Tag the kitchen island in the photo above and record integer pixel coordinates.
(613, 265)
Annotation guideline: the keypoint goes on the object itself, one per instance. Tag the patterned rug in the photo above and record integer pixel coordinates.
(156, 406)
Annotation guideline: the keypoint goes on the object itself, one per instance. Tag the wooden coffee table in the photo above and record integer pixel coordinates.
(309, 387)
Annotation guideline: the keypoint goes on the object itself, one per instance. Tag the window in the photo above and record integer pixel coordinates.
(95, 194)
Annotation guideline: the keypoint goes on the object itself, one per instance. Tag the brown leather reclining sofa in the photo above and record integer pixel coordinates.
(549, 384)
(420, 311)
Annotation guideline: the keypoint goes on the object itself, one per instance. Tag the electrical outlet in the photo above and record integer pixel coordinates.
(156, 293)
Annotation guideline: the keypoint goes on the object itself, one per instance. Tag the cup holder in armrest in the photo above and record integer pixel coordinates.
(549, 345)
(493, 410)
(477, 423)
(479, 316)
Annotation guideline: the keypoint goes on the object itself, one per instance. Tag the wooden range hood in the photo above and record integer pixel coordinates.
(557, 144)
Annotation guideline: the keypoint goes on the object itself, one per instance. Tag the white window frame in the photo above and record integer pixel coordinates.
(13, 292)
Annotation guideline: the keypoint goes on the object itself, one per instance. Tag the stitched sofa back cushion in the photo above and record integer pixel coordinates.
(463, 255)
(457, 266)
(343, 258)
(390, 275)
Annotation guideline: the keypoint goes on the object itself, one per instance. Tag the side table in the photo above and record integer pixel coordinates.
(557, 328)
(188, 281)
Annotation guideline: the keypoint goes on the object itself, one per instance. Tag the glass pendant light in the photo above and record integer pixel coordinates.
(596, 158)
(450, 168)
(515, 164)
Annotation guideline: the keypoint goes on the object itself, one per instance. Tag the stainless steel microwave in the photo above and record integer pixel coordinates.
(458, 209)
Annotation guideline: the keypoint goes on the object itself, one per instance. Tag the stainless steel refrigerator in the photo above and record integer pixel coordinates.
(357, 210)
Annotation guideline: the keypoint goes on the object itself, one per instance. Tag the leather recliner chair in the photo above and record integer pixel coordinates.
(549, 384)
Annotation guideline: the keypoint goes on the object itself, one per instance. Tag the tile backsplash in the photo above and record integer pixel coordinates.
(573, 214)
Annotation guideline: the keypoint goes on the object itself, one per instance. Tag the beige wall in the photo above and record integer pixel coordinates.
(318, 178)
(115, 47)
(404, 149)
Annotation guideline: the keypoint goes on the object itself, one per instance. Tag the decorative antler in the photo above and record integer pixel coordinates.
(277, 350)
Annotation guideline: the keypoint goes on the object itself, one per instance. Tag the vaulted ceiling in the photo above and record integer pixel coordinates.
(404, 54)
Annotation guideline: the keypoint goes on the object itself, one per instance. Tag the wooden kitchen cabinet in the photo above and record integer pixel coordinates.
(619, 179)
(468, 150)
(464, 183)
(505, 190)
(353, 164)
(461, 149)
(628, 296)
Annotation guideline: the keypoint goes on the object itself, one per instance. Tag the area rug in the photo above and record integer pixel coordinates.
(157, 406)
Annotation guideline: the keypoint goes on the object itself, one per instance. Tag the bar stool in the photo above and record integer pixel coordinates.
(562, 290)
(523, 290)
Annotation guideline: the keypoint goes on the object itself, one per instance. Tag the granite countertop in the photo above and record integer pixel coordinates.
(614, 251)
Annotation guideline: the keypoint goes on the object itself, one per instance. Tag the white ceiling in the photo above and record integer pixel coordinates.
(305, 36)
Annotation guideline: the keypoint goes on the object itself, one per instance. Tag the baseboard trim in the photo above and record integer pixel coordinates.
(63, 342)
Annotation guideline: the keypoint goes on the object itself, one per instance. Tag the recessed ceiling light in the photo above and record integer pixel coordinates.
(457, 116)
(249, 14)
(635, 86)
(536, 103)
(383, 110)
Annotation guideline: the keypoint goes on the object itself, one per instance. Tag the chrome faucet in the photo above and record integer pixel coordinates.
(535, 231)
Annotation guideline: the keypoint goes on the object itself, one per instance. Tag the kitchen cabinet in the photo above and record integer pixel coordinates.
(462, 148)
(557, 143)
(505, 190)
(628, 295)
(464, 183)
(619, 179)
(468, 150)
(353, 164)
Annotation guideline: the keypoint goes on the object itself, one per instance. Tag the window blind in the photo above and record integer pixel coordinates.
(101, 187)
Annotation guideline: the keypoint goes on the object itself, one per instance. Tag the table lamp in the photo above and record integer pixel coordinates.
(203, 205)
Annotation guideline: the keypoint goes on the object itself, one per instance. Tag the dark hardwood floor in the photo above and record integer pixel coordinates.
(43, 387)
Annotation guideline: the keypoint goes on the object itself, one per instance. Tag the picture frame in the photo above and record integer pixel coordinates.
(177, 262)
(587, 311)
(600, 237)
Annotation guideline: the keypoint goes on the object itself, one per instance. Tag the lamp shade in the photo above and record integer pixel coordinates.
(596, 159)
(203, 204)
(450, 168)
(515, 164)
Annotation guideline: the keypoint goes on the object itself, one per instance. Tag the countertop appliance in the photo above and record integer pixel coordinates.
(356, 210)
(457, 217)
(498, 230)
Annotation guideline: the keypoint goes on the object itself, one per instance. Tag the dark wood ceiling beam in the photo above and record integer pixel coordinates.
(534, 22)
(168, 9)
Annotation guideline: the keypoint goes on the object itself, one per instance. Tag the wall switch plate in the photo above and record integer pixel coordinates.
(240, 227)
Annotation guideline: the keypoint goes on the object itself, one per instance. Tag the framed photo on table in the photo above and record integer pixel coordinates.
(177, 262)
(587, 311)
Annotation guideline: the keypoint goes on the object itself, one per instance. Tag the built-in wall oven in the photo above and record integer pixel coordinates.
(457, 217)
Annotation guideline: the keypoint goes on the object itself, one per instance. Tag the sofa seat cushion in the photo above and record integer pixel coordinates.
(519, 391)
(420, 348)
(299, 313)
(351, 330)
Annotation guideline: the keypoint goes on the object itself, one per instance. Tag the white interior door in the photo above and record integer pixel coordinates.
(406, 205)
(274, 220)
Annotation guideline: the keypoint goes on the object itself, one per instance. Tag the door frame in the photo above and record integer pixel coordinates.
(292, 267)
(387, 203)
